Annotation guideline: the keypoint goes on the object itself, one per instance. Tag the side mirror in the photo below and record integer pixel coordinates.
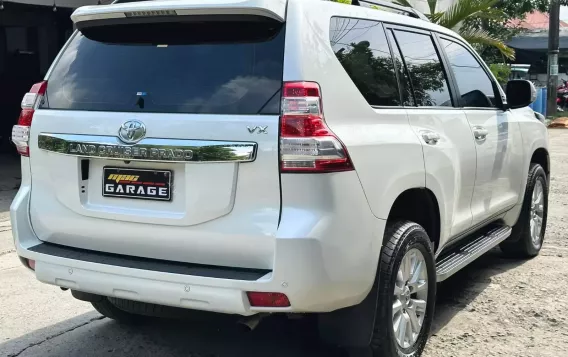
(520, 93)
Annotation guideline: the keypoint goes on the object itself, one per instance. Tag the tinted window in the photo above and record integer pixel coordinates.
(404, 80)
(362, 48)
(474, 84)
(207, 67)
(425, 68)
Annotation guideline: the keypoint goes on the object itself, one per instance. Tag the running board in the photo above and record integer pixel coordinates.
(458, 257)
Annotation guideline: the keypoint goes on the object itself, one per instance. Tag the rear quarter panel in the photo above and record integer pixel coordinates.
(386, 153)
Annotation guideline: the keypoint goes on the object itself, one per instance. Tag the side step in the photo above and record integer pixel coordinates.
(450, 262)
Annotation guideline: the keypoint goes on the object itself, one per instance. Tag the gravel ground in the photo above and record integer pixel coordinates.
(494, 307)
(502, 307)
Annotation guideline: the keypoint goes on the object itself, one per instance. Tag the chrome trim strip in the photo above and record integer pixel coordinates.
(148, 149)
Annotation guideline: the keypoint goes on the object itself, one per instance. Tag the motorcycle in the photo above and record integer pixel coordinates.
(562, 95)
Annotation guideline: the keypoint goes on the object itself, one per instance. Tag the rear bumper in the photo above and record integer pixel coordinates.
(325, 258)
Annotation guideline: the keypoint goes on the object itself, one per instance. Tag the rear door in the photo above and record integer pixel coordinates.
(160, 139)
(497, 135)
(449, 151)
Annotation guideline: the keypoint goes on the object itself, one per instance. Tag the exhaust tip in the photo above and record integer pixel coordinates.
(250, 323)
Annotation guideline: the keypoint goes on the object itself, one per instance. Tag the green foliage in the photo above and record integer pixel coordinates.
(462, 10)
(482, 37)
(501, 72)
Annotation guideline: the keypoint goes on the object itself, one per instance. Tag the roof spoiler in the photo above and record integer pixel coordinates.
(154, 10)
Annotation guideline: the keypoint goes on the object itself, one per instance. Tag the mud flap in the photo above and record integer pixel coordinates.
(351, 326)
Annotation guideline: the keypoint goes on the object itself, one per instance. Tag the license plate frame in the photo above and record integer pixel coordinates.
(141, 184)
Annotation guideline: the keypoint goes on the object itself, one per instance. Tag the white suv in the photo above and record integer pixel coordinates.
(274, 156)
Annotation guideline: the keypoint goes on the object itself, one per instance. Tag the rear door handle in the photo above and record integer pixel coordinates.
(430, 137)
(480, 133)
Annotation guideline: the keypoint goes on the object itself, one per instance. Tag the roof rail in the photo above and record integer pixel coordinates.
(403, 9)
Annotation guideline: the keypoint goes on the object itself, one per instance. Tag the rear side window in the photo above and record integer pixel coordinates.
(362, 49)
(213, 67)
(425, 69)
(476, 89)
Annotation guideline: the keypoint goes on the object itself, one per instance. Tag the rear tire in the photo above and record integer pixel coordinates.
(528, 233)
(404, 239)
(404, 291)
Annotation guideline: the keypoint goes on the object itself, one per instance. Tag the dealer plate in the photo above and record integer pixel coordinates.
(137, 183)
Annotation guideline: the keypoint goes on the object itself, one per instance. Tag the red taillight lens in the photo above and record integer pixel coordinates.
(21, 131)
(31, 264)
(306, 142)
(262, 299)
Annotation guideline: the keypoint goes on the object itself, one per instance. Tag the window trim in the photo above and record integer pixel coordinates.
(496, 88)
(404, 69)
(391, 50)
(456, 98)
(435, 43)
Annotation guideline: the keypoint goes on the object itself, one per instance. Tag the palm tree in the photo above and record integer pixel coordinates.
(465, 18)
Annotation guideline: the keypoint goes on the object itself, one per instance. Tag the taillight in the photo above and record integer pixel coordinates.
(21, 131)
(306, 142)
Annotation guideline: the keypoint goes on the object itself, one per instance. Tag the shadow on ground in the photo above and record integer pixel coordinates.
(456, 293)
(91, 335)
(96, 336)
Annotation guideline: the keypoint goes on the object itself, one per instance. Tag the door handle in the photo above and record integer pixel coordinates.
(480, 133)
(430, 137)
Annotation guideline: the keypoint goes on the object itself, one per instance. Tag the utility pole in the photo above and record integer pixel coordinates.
(553, 51)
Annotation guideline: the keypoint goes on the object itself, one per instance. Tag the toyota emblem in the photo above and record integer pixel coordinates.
(132, 131)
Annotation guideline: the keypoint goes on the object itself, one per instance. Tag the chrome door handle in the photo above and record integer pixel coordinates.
(430, 137)
(480, 133)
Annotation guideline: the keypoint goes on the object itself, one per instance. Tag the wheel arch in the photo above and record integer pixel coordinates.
(541, 156)
(421, 206)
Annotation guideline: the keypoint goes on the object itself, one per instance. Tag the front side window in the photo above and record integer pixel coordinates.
(362, 49)
(425, 69)
(476, 89)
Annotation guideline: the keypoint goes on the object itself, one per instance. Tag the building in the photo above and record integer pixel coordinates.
(532, 47)
(31, 34)
(535, 21)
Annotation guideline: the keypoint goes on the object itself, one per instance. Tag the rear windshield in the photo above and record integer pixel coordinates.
(212, 67)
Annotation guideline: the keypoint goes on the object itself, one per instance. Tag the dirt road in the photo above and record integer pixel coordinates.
(504, 307)
(494, 307)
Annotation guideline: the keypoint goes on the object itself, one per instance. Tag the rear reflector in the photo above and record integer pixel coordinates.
(21, 131)
(262, 299)
(306, 142)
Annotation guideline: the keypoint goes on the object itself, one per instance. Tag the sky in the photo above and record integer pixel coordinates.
(564, 13)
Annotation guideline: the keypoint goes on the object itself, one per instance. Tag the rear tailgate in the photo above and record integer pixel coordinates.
(160, 139)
